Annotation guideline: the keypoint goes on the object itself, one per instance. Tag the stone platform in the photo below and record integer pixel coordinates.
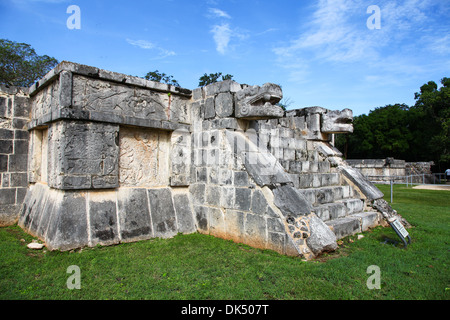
(113, 158)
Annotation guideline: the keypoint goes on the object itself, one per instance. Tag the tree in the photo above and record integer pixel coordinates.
(433, 109)
(161, 77)
(212, 78)
(383, 133)
(20, 65)
(417, 133)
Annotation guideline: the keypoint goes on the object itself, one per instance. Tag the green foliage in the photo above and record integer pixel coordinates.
(212, 78)
(285, 103)
(161, 77)
(433, 112)
(20, 65)
(417, 133)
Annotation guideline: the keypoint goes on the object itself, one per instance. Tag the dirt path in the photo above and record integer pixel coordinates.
(433, 187)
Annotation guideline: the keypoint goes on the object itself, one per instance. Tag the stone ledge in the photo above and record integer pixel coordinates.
(93, 116)
(97, 73)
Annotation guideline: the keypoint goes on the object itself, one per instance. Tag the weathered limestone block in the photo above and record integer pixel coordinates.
(45, 102)
(262, 166)
(345, 226)
(210, 111)
(144, 157)
(162, 212)
(357, 179)
(313, 125)
(32, 202)
(255, 102)
(134, 215)
(104, 228)
(107, 97)
(321, 238)
(180, 166)
(216, 221)
(255, 231)
(184, 213)
(327, 150)
(83, 155)
(368, 219)
(179, 109)
(335, 121)
(224, 105)
(35, 160)
(234, 222)
(291, 202)
(202, 218)
(68, 227)
(221, 86)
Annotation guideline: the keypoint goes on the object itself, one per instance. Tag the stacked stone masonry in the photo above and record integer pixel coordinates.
(111, 158)
(400, 171)
(14, 115)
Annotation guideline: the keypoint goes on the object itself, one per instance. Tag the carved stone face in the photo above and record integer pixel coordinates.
(337, 121)
(255, 102)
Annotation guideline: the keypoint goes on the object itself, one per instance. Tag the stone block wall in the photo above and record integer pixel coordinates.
(14, 115)
(69, 219)
(384, 170)
(114, 158)
(240, 189)
(379, 169)
(100, 164)
(227, 201)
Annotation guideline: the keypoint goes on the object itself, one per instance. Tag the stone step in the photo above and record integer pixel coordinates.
(322, 195)
(355, 223)
(353, 205)
(307, 166)
(339, 209)
(317, 180)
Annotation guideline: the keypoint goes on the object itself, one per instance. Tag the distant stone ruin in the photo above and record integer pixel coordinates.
(91, 157)
(390, 169)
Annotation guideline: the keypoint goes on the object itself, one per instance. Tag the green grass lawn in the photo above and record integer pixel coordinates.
(203, 267)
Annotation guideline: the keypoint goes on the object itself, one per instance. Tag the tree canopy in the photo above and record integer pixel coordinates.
(212, 78)
(161, 77)
(417, 133)
(20, 65)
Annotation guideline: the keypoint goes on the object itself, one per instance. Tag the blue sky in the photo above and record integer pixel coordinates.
(322, 52)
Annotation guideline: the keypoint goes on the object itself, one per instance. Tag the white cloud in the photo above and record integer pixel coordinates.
(214, 12)
(332, 36)
(223, 33)
(147, 45)
(143, 44)
(221, 36)
(441, 45)
(226, 37)
(336, 35)
(165, 53)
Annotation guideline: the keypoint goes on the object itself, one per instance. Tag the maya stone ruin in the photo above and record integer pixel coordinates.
(91, 157)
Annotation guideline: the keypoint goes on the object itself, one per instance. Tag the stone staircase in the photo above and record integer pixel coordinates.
(337, 203)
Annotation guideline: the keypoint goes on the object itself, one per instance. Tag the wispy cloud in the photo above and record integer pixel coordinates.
(332, 36)
(147, 45)
(440, 44)
(143, 44)
(214, 12)
(223, 32)
(221, 36)
(337, 34)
